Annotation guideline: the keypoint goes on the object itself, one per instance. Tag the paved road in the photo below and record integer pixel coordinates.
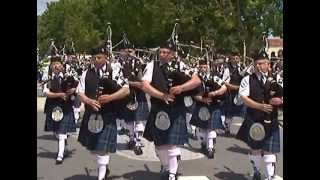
(230, 163)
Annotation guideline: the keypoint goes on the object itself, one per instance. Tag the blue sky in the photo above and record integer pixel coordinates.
(42, 5)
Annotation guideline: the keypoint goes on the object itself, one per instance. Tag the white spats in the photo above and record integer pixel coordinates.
(76, 111)
(270, 161)
(223, 119)
(211, 134)
(210, 143)
(188, 118)
(102, 162)
(139, 127)
(61, 145)
(172, 159)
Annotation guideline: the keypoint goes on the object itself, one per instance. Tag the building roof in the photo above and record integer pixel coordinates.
(275, 42)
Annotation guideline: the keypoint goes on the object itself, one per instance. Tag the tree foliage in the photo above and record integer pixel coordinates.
(147, 23)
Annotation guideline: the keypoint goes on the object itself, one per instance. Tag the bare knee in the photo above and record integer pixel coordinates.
(100, 153)
(255, 152)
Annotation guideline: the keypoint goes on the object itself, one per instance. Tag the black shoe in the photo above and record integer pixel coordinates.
(210, 153)
(164, 175)
(131, 144)
(203, 148)
(137, 150)
(122, 131)
(227, 131)
(179, 158)
(162, 170)
(256, 176)
(168, 176)
(59, 161)
(107, 173)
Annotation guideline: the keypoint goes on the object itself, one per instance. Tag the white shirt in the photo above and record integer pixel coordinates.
(116, 71)
(45, 75)
(244, 89)
(226, 75)
(45, 87)
(148, 72)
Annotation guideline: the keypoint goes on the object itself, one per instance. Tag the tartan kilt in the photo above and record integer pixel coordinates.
(142, 112)
(231, 110)
(177, 132)
(127, 115)
(67, 124)
(213, 123)
(270, 144)
(106, 140)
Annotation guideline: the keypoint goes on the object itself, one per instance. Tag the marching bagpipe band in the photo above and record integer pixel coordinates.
(62, 82)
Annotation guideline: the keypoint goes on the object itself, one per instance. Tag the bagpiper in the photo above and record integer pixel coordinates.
(260, 129)
(136, 109)
(101, 88)
(60, 92)
(168, 81)
(208, 111)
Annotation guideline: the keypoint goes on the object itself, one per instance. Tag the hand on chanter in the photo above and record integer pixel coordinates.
(94, 104)
(176, 90)
(276, 101)
(63, 96)
(167, 98)
(70, 91)
(104, 99)
(266, 108)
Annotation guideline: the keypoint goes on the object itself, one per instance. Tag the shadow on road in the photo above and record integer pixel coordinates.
(230, 135)
(48, 137)
(85, 177)
(81, 177)
(142, 175)
(122, 146)
(231, 176)
(237, 149)
(50, 155)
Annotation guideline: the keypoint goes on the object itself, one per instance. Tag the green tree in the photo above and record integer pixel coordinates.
(227, 23)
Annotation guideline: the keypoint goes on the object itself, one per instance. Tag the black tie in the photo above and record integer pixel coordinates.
(263, 79)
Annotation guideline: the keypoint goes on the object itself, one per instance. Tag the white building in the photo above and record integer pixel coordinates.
(274, 44)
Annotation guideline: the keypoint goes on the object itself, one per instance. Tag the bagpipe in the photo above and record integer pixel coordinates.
(211, 82)
(176, 73)
(261, 130)
(67, 81)
(133, 67)
(67, 78)
(61, 83)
